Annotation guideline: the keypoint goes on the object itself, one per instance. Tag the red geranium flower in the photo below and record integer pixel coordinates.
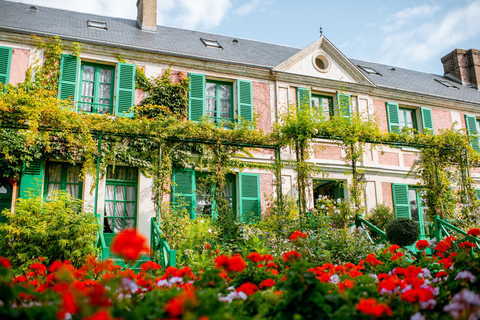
(267, 257)
(371, 260)
(129, 244)
(235, 263)
(473, 232)
(417, 295)
(248, 288)
(255, 257)
(372, 307)
(101, 315)
(267, 283)
(422, 244)
(291, 256)
(467, 245)
(150, 265)
(4, 262)
(297, 234)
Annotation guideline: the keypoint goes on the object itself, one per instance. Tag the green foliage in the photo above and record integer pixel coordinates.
(54, 230)
(402, 232)
(380, 216)
(189, 237)
(165, 93)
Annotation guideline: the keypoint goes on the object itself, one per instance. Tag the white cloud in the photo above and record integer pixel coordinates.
(407, 15)
(420, 43)
(251, 6)
(197, 14)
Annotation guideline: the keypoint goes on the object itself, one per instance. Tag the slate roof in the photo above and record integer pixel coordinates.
(124, 33)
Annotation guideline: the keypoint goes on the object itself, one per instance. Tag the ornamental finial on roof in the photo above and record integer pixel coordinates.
(321, 31)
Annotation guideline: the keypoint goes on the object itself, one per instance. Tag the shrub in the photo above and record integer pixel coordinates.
(54, 230)
(402, 232)
(380, 216)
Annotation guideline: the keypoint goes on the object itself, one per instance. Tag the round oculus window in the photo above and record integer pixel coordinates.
(321, 63)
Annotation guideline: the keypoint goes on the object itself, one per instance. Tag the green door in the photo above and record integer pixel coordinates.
(5, 197)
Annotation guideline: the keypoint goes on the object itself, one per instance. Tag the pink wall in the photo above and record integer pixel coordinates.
(441, 120)
(261, 106)
(266, 189)
(388, 158)
(409, 159)
(387, 194)
(19, 66)
(380, 111)
(327, 152)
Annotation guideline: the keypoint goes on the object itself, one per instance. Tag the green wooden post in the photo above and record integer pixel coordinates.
(438, 232)
(98, 174)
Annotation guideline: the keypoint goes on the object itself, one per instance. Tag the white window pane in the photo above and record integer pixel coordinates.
(73, 174)
(87, 89)
(88, 73)
(120, 193)
(110, 192)
(315, 102)
(225, 106)
(129, 223)
(225, 91)
(52, 187)
(130, 193)
(130, 209)
(73, 190)
(211, 89)
(55, 172)
(109, 209)
(105, 91)
(106, 75)
(121, 173)
(211, 104)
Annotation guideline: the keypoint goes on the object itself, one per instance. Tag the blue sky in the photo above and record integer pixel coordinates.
(409, 34)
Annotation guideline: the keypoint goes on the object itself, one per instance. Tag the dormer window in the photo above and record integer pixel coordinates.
(370, 70)
(97, 25)
(446, 83)
(211, 43)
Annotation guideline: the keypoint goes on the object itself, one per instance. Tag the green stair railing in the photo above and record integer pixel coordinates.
(161, 252)
(102, 245)
(360, 222)
(444, 229)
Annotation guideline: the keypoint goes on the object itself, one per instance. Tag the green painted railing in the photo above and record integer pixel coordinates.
(360, 222)
(161, 252)
(102, 245)
(444, 228)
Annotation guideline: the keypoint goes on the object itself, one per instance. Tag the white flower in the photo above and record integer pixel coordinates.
(417, 316)
(465, 275)
(334, 279)
(201, 221)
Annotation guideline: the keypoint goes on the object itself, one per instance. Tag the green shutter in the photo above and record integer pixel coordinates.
(245, 99)
(184, 192)
(31, 179)
(471, 123)
(427, 120)
(196, 103)
(304, 98)
(69, 73)
(477, 191)
(249, 195)
(125, 93)
(392, 117)
(344, 104)
(400, 200)
(5, 61)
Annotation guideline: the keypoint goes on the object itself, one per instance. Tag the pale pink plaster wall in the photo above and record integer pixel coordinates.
(462, 121)
(261, 105)
(266, 189)
(19, 66)
(409, 159)
(327, 152)
(380, 114)
(475, 170)
(387, 194)
(139, 96)
(441, 120)
(388, 158)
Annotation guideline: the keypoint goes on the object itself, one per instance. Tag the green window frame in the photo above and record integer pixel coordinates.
(120, 199)
(96, 88)
(219, 101)
(472, 125)
(203, 90)
(191, 194)
(6, 193)
(407, 118)
(323, 104)
(63, 176)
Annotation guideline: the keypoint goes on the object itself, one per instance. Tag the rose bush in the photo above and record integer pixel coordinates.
(387, 284)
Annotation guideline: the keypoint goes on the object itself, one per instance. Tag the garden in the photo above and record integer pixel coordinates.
(292, 264)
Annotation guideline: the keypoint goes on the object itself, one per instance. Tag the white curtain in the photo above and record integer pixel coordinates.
(73, 181)
(54, 178)
(109, 205)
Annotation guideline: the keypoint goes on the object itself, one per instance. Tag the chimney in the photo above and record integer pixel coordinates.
(463, 66)
(147, 14)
